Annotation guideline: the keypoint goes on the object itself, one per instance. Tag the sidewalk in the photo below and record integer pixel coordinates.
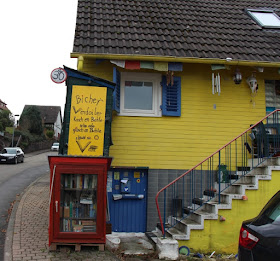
(27, 233)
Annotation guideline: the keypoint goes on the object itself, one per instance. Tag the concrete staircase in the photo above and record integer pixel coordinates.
(210, 210)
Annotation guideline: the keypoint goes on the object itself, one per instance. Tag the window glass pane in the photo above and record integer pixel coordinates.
(138, 95)
(267, 18)
(78, 203)
(275, 213)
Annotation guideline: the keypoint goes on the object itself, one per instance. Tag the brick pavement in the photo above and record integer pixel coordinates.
(28, 236)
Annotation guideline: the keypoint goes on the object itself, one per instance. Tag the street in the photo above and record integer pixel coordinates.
(13, 180)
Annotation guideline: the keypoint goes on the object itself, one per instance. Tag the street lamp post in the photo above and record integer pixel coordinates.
(14, 130)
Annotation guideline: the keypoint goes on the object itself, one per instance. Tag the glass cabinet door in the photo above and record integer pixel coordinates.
(78, 203)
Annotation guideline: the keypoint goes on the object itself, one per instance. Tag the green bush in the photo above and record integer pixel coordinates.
(28, 138)
(49, 134)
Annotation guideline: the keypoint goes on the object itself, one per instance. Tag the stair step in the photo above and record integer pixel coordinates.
(188, 221)
(198, 201)
(176, 233)
(245, 184)
(243, 168)
(204, 212)
(230, 192)
(152, 237)
(209, 192)
(187, 210)
(166, 226)
(221, 205)
(233, 176)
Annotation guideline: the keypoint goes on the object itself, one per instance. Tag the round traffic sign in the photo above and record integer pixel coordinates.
(58, 75)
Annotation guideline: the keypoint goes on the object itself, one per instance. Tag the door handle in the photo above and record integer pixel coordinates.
(56, 206)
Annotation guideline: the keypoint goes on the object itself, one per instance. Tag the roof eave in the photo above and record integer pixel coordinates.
(228, 61)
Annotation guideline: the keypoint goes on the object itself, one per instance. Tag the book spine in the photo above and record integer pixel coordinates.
(94, 181)
(71, 209)
(73, 182)
(86, 182)
(69, 181)
(91, 211)
(81, 181)
(90, 181)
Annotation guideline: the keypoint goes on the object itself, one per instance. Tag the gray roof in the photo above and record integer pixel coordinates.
(48, 113)
(214, 29)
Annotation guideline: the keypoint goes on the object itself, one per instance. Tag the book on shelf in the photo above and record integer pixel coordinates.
(86, 179)
(78, 178)
(67, 181)
(77, 228)
(66, 225)
(89, 228)
(88, 223)
(86, 197)
(81, 181)
(92, 211)
(94, 182)
(71, 209)
(86, 200)
(90, 181)
(73, 183)
(66, 212)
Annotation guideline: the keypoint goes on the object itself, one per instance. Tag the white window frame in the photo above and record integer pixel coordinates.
(155, 78)
(252, 13)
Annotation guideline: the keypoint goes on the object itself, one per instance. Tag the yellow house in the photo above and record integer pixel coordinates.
(190, 77)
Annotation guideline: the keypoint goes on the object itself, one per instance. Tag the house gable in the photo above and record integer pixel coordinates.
(51, 117)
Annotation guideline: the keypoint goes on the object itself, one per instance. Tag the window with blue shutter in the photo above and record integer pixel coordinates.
(117, 91)
(171, 97)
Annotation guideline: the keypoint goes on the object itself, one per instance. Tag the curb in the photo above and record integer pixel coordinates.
(10, 229)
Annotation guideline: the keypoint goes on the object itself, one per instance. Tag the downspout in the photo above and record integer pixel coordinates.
(80, 64)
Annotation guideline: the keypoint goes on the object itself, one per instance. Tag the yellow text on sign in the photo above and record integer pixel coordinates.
(87, 121)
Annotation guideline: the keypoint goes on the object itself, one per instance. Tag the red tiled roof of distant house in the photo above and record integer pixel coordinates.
(3, 105)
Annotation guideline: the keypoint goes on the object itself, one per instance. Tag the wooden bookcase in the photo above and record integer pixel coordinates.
(78, 201)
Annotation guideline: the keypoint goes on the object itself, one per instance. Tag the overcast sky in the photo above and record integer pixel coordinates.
(36, 37)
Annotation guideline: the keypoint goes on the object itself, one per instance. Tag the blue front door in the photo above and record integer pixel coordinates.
(127, 198)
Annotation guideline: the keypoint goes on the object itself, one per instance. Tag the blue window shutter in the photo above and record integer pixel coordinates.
(171, 97)
(117, 91)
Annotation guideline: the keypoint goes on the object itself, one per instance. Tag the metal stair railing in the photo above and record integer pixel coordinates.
(208, 179)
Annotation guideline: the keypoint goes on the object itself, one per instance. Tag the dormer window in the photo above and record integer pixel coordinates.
(265, 18)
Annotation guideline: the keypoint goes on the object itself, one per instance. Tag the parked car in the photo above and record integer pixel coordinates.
(259, 237)
(55, 146)
(11, 155)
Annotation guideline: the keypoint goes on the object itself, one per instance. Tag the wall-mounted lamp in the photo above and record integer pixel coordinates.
(252, 82)
(237, 78)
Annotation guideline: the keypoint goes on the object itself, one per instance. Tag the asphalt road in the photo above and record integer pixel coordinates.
(13, 180)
